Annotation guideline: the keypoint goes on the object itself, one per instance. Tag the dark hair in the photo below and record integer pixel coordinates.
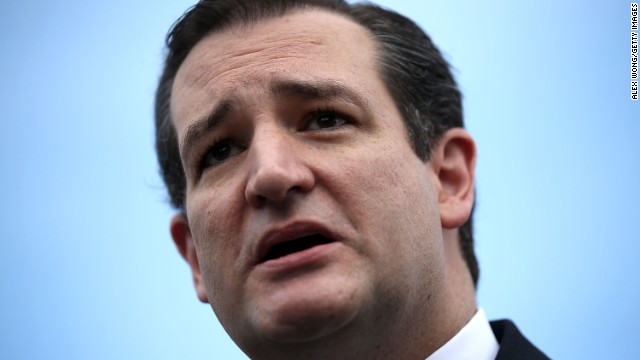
(412, 68)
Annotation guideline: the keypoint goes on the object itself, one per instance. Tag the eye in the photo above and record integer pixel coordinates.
(219, 153)
(326, 119)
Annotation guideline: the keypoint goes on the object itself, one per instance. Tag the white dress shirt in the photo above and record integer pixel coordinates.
(475, 341)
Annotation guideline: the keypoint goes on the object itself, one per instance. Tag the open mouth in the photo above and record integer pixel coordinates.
(295, 245)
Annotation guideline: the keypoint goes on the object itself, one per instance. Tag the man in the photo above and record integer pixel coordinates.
(325, 184)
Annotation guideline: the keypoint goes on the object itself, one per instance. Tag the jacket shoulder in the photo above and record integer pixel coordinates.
(513, 345)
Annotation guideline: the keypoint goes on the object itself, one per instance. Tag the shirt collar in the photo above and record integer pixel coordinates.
(475, 341)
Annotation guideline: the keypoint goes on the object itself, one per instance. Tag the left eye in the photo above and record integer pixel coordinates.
(326, 120)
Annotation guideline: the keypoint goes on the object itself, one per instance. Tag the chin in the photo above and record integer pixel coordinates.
(307, 322)
(308, 310)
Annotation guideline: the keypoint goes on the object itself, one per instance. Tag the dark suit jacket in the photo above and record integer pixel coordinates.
(513, 345)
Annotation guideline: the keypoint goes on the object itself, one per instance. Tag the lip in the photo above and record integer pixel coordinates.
(287, 232)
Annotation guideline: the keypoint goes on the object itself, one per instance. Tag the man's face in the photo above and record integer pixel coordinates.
(310, 213)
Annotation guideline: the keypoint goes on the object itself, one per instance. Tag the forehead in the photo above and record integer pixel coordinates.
(309, 45)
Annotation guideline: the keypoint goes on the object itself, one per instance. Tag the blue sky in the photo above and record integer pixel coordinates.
(87, 265)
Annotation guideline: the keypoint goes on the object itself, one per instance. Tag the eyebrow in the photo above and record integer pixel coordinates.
(306, 90)
(324, 90)
(200, 127)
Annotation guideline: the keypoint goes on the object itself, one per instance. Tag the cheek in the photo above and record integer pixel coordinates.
(213, 223)
(388, 181)
(390, 202)
(389, 197)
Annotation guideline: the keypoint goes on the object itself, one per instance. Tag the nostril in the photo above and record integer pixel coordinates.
(256, 201)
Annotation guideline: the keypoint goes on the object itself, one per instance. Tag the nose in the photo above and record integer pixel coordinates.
(277, 168)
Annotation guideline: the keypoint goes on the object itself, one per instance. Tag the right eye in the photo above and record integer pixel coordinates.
(219, 153)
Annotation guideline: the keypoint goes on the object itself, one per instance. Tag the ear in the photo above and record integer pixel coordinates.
(181, 234)
(453, 160)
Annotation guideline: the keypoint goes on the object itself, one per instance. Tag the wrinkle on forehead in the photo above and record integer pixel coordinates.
(241, 51)
(298, 40)
(202, 72)
(256, 39)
